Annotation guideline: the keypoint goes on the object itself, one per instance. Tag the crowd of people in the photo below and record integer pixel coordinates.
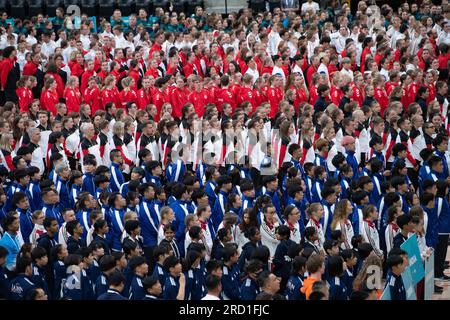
(281, 154)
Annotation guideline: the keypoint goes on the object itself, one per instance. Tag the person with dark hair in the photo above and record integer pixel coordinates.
(74, 242)
(296, 279)
(250, 287)
(139, 267)
(152, 288)
(214, 287)
(338, 289)
(174, 287)
(230, 272)
(360, 199)
(394, 279)
(10, 240)
(36, 294)
(169, 240)
(107, 266)
(440, 144)
(181, 207)
(133, 230)
(48, 239)
(57, 256)
(116, 284)
(21, 204)
(281, 260)
(270, 188)
(160, 253)
(21, 284)
(40, 261)
(224, 185)
(9, 74)
(117, 205)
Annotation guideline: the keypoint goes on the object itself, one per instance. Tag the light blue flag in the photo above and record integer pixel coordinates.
(429, 277)
(415, 260)
(410, 288)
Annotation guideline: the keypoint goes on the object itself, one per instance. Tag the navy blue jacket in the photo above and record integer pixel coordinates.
(137, 291)
(396, 286)
(101, 285)
(281, 261)
(4, 284)
(34, 195)
(74, 245)
(111, 295)
(39, 278)
(230, 282)
(294, 284)
(117, 178)
(249, 289)
(149, 223)
(88, 183)
(26, 225)
(247, 251)
(171, 288)
(19, 287)
(78, 286)
(159, 272)
(59, 271)
(338, 289)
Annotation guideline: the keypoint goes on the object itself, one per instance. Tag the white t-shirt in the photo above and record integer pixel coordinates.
(314, 6)
(210, 297)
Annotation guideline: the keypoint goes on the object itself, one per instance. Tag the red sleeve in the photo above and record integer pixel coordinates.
(304, 152)
(125, 159)
(67, 152)
(6, 66)
(408, 154)
(274, 102)
(282, 155)
(9, 162)
(102, 151)
(85, 151)
(389, 149)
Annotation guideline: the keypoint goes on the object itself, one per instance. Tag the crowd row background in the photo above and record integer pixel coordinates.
(264, 155)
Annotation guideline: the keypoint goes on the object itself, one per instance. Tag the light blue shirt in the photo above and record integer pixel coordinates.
(12, 244)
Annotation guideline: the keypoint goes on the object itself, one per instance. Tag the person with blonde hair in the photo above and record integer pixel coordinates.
(5, 151)
(128, 94)
(72, 94)
(314, 213)
(341, 222)
(110, 93)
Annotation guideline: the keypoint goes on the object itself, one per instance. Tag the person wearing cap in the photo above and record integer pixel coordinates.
(349, 143)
